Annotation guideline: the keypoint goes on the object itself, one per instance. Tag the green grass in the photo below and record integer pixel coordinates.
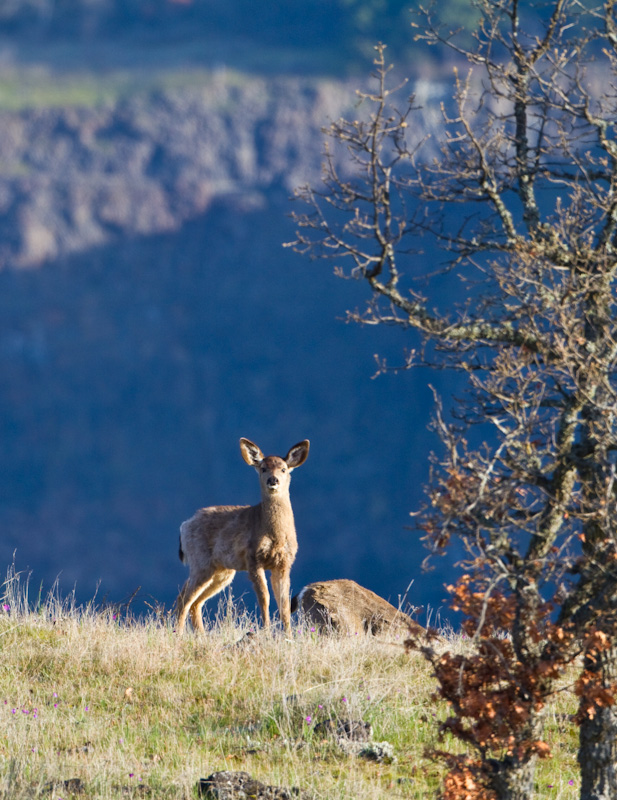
(28, 88)
(132, 709)
(92, 74)
(33, 88)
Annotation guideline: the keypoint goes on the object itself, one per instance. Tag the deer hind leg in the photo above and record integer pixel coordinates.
(191, 591)
(218, 582)
(280, 587)
(258, 579)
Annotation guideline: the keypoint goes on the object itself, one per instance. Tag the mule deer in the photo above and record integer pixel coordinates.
(345, 606)
(218, 541)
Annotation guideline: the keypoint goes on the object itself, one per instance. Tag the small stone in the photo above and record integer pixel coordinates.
(354, 730)
(71, 786)
(383, 752)
(228, 785)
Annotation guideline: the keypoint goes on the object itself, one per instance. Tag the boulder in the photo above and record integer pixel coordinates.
(346, 607)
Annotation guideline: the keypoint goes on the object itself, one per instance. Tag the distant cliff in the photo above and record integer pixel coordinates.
(72, 178)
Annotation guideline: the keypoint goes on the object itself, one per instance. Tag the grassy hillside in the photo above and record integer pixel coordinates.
(98, 706)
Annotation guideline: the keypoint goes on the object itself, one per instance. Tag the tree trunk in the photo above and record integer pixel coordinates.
(514, 781)
(597, 754)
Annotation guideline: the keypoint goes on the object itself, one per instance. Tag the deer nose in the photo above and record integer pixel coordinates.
(272, 481)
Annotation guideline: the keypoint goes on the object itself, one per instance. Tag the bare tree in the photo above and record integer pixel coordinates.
(517, 202)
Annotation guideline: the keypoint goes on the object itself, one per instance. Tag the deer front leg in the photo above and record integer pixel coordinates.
(258, 579)
(281, 586)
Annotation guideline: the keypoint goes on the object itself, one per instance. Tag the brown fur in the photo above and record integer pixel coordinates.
(218, 541)
(345, 606)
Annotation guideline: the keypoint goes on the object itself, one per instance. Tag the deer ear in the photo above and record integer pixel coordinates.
(251, 453)
(297, 454)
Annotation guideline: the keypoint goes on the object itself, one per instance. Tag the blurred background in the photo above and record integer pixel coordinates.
(150, 316)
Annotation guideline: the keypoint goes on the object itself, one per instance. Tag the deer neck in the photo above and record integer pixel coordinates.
(277, 516)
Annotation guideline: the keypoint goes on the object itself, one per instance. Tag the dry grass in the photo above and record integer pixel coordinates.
(130, 709)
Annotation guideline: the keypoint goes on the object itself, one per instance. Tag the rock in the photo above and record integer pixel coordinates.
(354, 738)
(345, 606)
(353, 730)
(239, 785)
(71, 786)
(249, 638)
(382, 752)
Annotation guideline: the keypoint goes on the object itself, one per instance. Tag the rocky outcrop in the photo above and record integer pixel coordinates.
(76, 177)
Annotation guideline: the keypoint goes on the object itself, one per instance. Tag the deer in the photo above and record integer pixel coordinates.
(218, 541)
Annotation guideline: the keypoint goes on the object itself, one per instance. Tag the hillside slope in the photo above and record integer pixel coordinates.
(97, 706)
